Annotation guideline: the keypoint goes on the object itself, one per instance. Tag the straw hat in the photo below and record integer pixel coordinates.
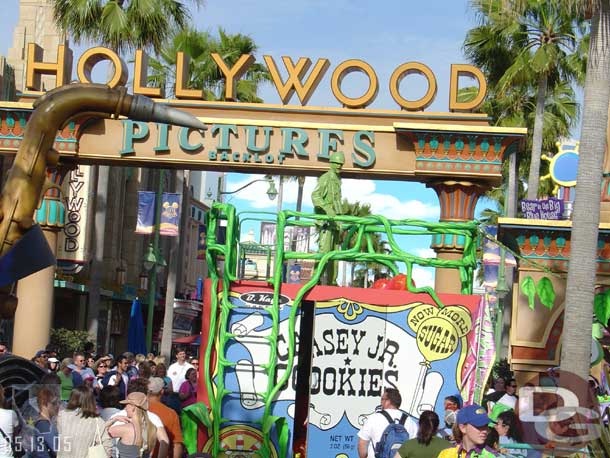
(137, 399)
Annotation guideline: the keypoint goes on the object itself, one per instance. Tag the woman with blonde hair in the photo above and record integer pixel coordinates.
(80, 426)
(159, 360)
(136, 434)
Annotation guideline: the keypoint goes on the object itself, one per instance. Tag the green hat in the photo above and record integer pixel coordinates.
(337, 158)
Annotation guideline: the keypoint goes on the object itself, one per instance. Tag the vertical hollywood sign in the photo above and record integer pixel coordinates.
(72, 241)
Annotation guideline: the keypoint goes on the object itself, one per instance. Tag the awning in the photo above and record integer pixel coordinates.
(189, 340)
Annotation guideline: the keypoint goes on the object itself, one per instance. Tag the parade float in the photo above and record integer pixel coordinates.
(297, 368)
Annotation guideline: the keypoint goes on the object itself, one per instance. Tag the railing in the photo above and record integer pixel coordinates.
(524, 450)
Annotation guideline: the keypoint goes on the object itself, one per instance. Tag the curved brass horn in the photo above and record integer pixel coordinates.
(21, 193)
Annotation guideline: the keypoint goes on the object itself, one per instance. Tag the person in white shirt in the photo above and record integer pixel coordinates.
(510, 398)
(118, 376)
(177, 371)
(140, 385)
(376, 424)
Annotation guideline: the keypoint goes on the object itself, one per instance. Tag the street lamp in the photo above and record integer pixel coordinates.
(153, 262)
(153, 258)
(271, 191)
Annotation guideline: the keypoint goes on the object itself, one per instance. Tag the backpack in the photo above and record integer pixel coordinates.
(394, 435)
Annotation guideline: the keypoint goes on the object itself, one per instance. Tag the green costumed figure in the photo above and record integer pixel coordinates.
(326, 199)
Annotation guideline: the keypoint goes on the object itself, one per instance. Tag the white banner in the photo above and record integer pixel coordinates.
(72, 240)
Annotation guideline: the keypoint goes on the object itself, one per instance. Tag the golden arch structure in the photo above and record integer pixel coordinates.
(458, 154)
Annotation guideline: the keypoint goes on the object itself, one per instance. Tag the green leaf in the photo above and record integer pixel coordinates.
(546, 292)
(599, 308)
(597, 331)
(529, 289)
(607, 307)
(541, 60)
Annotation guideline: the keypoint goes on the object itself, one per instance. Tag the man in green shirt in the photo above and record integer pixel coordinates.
(69, 379)
(326, 199)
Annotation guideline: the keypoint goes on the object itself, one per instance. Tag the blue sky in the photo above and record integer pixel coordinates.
(385, 34)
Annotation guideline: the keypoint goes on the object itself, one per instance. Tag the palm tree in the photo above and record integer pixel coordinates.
(560, 114)
(360, 270)
(580, 289)
(534, 47)
(122, 25)
(203, 71)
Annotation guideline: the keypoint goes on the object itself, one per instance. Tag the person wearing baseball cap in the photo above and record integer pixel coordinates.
(41, 354)
(168, 416)
(53, 364)
(472, 428)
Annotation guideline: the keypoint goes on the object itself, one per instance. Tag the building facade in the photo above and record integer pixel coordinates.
(122, 276)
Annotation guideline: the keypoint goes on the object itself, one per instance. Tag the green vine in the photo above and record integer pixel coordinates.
(358, 248)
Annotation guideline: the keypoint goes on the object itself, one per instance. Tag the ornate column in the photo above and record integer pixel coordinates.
(33, 318)
(460, 162)
(458, 200)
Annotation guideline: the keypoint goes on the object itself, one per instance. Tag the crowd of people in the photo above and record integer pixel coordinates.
(97, 406)
(468, 431)
(129, 407)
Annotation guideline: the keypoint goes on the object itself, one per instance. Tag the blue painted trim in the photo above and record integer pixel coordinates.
(70, 285)
(458, 160)
(84, 289)
(548, 258)
(41, 213)
(20, 137)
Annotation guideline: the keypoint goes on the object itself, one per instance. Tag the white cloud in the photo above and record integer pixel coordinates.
(255, 194)
(425, 252)
(423, 276)
(385, 204)
(363, 191)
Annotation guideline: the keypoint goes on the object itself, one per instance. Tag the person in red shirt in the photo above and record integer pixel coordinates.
(168, 417)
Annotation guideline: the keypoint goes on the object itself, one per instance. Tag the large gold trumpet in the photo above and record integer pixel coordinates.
(23, 188)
